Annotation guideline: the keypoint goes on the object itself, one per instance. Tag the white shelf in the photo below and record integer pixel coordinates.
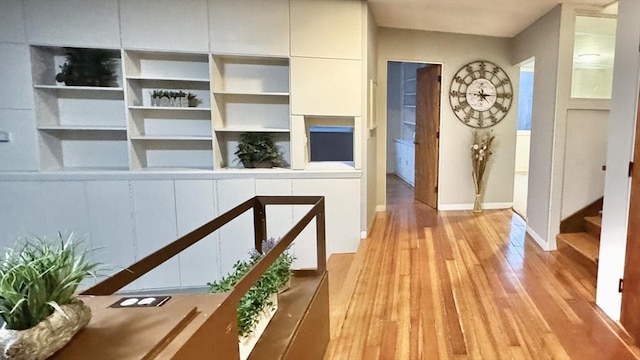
(252, 129)
(169, 108)
(251, 93)
(82, 128)
(409, 123)
(168, 79)
(78, 88)
(171, 138)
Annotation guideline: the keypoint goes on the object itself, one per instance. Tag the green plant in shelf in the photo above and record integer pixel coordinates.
(257, 299)
(87, 67)
(258, 150)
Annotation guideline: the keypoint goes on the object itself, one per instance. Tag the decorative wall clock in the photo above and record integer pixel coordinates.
(481, 94)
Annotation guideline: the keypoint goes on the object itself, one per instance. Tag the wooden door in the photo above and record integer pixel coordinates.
(427, 134)
(630, 316)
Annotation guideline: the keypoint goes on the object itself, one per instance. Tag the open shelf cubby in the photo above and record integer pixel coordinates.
(226, 144)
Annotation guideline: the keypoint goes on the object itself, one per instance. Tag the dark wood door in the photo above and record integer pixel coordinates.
(427, 134)
(630, 316)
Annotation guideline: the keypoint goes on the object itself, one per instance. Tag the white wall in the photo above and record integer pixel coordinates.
(394, 111)
(540, 40)
(585, 153)
(453, 51)
(370, 154)
(619, 152)
(523, 144)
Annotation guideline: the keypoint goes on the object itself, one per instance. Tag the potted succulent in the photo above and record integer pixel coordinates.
(38, 282)
(258, 150)
(259, 304)
(87, 67)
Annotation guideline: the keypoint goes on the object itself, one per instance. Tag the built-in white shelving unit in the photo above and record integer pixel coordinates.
(250, 94)
(79, 126)
(162, 136)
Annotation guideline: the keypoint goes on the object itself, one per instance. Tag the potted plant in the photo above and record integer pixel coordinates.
(87, 67)
(258, 150)
(259, 304)
(38, 282)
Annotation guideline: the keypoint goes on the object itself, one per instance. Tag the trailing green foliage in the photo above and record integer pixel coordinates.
(38, 276)
(258, 148)
(257, 299)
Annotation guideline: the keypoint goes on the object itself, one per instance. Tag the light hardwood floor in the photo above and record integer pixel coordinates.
(451, 285)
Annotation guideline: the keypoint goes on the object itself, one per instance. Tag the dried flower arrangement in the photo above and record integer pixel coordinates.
(480, 155)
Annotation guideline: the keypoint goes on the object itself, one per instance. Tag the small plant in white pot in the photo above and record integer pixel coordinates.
(38, 282)
(259, 304)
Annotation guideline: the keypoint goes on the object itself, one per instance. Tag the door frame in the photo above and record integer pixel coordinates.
(384, 141)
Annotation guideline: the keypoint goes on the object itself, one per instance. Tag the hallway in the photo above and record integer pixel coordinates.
(452, 285)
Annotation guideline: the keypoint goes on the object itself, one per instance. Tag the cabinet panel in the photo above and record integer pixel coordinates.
(342, 207)
(165, 25)
(22, 211)
(264, 29)
(199, 264)
(329, 29)
(66, 206)
(73, 22)
(325, 87)
(236, 237)
(155, 217)
(112, 224)
(14, 70)
(21, 152)
(12, 27)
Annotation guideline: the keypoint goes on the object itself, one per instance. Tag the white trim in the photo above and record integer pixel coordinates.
(469, 206)
(363, 234)
(380, 208)
(538, 239)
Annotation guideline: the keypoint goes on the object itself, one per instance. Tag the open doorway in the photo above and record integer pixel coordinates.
(413, 123)
(523, 138)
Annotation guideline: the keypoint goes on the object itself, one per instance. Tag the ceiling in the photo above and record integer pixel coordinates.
(503, 18)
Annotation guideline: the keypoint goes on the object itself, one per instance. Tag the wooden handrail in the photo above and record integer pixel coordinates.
(259, 205)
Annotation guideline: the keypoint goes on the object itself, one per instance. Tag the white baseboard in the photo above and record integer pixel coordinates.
(363, 234)
(469, 206)
(538, 239)
(380, 208)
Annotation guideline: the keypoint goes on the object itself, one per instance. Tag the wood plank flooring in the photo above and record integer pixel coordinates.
(451, 285)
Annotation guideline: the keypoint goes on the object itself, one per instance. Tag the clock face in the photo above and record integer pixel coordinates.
(481, 94)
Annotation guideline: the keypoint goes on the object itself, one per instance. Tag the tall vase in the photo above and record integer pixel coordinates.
(477, 204)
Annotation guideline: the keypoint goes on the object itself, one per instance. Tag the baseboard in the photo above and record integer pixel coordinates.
(380, 208)
(538, 239)
(469, 206)
(363, 234)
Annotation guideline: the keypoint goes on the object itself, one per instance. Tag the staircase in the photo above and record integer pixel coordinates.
(587, 243)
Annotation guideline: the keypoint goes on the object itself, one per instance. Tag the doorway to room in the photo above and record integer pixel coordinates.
(413, 124)
(523, 138)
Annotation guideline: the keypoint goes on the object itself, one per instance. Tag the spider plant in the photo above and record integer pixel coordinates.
(38, 276)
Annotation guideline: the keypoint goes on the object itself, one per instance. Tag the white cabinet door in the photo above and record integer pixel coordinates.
(91, 23)
(21, 152)
(328, 29)
(398, 156)
(12, 27)
(165, 25)
(195, 206)
(326, 87)
(155, 216)
(22, 211)
(112, 224)
(17, 90)
(236, 237)
(249, 27)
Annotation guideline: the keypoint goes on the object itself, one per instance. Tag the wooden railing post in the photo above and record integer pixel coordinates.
(321, 247)
(259, 223)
